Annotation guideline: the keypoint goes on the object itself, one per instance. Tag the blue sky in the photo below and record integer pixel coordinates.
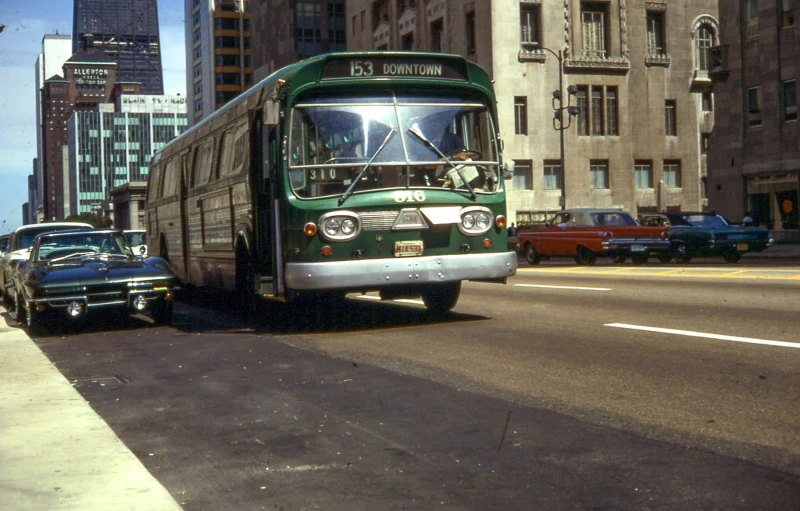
(26, 22)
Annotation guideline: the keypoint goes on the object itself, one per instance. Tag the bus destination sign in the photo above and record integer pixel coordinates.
(388, 67)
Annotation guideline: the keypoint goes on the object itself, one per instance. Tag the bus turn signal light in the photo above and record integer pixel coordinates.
(326, 251)
(487, 243)
(310, 229)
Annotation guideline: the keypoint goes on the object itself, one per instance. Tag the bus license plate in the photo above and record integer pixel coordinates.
(407, 248)
(637, 248)
(741, 247)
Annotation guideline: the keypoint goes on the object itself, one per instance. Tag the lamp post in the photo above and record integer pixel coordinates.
(558, 118)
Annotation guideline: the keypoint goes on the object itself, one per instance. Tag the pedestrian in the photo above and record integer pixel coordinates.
(512, 231)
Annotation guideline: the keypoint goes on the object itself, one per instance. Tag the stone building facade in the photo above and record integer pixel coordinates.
(754, 156)
(638, 70)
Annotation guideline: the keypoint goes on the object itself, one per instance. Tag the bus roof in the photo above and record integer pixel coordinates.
(321, 69)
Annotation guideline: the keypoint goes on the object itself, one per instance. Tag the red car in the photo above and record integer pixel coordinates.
(586, 234)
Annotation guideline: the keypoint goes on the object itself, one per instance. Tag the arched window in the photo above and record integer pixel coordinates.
(704, 42)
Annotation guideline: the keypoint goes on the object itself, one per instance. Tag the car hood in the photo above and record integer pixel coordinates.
(89, 270)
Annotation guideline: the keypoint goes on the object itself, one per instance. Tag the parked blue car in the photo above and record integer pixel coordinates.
(704, 234)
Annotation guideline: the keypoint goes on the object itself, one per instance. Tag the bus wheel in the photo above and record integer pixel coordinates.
(441, 298)
(245, 282)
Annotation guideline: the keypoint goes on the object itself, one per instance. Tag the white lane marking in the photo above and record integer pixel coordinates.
(305, 468)
(577, 288)
(689, 333)
(400, 300)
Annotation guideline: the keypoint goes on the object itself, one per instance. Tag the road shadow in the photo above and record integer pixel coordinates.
(204, 312)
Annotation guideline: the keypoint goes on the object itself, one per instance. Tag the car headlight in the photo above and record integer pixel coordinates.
(475, 220)
(339, 226)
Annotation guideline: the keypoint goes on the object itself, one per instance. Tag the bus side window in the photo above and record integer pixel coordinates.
(225, 154)
(238, 152)
(202, 163)
(153, 183)
(172, 171)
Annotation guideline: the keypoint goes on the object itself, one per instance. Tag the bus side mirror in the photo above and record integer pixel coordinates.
(508, 169)
(272, 110)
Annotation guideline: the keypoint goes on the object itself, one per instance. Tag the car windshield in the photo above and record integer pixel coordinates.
(136, 238)
(27, 236)
(705, 220)
(61, 247)
(612, 218)
(389, 143)
(3, 243)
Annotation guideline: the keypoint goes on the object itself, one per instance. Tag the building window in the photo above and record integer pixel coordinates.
(655, 33)
(754, 106)
(704, 43)
(594, 16)
(470, 28)
(612, 125)
(598, 174)
(407, 42)
(751, 17)
(643, 174)
(708, 101)
(522, 175)
(672, 173)
(353, 30)
(520, 115)
(705, 140)
(787, 20)
(789, 100)
(529, 23)
(437, 35)
(552, 175)
(670, 119)
(597, 110)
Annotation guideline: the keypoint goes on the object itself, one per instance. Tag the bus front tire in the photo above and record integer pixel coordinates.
(439, 299)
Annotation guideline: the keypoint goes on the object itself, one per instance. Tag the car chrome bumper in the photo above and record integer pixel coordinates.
(377, 273)
(94, 300)
(636, 246)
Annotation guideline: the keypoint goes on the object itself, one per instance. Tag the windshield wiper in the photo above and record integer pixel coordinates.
(352, 186)
(432, 146)
(76, 254)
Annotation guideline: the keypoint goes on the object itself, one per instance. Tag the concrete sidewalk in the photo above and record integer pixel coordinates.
(55, 451)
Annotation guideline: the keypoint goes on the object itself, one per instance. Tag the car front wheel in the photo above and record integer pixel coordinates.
(161, 311)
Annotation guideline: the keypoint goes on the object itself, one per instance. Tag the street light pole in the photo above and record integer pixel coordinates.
(558, 118)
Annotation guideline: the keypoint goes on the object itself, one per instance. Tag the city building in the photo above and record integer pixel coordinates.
(754, 155)
(218, 60)
(56, 49)
(636, 70)
(294, 30)
(127, 32)
(111, 146)
(88, 80)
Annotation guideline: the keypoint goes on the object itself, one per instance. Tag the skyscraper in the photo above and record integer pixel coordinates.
(127, 31)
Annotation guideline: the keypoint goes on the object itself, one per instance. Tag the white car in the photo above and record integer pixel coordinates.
(137, 239)
(19, 248)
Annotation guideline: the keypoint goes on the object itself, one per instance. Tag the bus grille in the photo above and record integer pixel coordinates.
(378, 220)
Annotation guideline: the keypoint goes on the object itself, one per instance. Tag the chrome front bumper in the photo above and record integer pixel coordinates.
(378, 273)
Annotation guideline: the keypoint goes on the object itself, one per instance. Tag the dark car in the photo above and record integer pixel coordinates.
(704, 234)
(72, 274)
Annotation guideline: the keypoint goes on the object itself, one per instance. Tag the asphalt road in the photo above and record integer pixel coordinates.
(551, 392)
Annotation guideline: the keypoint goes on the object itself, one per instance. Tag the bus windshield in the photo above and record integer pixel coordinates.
(390, 143)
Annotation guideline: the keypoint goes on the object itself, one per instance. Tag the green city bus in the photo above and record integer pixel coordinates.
(346, 172)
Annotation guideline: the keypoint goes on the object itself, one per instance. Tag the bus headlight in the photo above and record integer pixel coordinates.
(475, 220)
(339, 226)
